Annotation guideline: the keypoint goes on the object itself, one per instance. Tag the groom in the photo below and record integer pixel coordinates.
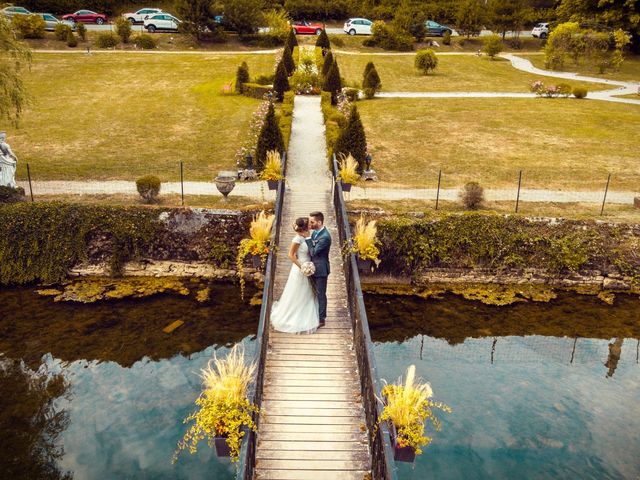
(319, 245)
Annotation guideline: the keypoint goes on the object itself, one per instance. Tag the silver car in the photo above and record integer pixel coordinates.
(50, 22)
(12, 10)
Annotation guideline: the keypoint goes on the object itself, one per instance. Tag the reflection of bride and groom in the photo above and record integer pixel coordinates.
(8, 163)
(302, 307)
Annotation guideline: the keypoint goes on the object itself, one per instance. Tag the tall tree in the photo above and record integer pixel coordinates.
(352, 140)
(332, 82)
(270, 138)
(15, 58)
(328, 60)
(291, 40)
(287, 59)
(508, 15)
(470, 17)
(244, 16)
(371, 80)
(196, 16)
(323, 40)
(281, 81)
(410, 19)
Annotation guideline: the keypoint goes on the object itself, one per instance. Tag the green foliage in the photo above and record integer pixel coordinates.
(472, 195)
(353, 140)
(509, 15)
(195, 15)
(145, 41)
(492, 45)
(446, 38)
(81, 30)
(292, 40)
(286, 118)
(281, 81)
(336, 40)
(323, 40)
(497, 242)
(61, 30)
(426, 61)
(72, 41)
(371, 80)
(328, 61)
(303, 9)
(148, 187)
(29, 26)
(264, 79)
(264, 40)
(123, 29)
(270, 138)
(278, 23)
(221, 255)
(388, 38)
(15, 58)
(287, 59)
(11, 195)
(580, 92)
(332, 81)
(470, 17)
(410, 20)
(254, 90)
(242, 76)
(334, 122)
(107, 40)
(42, 241)
(244, 16)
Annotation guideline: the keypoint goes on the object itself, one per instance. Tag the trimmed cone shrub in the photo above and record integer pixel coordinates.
(579, 92)
(291, 40)
(323, 40)
(148, 188)
(352, 140)
(242, 76)
(328, 60)
(426, 61)
(332, 82)
(270, 138)
(371, 82)
(472, 195)
(289, 64)
(281, 81)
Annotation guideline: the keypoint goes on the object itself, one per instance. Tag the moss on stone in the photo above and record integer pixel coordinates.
(93, 289)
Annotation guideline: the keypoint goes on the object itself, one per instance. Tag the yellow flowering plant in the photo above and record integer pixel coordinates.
(272, 167)
(408, 406)
(256, 244)
(348, 169)
(224, 408)
(365, 241)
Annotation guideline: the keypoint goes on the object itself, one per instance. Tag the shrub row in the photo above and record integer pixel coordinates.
(286, 117)
(255, 90)
(475, 240)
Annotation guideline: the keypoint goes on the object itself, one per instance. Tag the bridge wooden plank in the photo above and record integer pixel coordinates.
(274, 474)
(335, 436)
(336, 465)
(347, 423)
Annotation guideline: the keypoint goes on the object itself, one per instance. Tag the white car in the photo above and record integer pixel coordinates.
(541, 30)
(141, 15)
(162, 21)
(358, 26)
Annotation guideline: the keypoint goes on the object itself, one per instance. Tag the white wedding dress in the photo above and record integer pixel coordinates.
(297, 309)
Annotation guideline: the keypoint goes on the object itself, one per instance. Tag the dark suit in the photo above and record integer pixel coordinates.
(319, 245)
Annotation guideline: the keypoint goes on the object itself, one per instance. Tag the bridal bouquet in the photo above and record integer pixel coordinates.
(308, 269)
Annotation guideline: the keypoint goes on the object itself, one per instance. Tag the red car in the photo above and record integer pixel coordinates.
(302, 28)
(86, 16)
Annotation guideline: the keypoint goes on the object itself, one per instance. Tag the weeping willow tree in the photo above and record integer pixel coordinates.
(15, 58)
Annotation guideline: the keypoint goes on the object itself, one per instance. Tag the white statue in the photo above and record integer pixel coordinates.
(8, 163)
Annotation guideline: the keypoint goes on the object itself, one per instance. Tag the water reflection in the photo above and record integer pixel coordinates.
(526, 404)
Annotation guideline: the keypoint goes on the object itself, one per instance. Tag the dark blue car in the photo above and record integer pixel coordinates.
(434, 29)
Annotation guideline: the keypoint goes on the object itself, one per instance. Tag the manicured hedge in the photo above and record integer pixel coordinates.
(254, 90)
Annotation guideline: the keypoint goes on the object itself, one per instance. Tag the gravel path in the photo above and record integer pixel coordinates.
(259, 190)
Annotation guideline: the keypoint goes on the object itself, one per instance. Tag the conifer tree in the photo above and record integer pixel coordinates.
(281, 81)
(371, 82)
(270, 138)
(242, 76)
(332, 82)
(287, 58)
(328, 60)
(352, 139)
(323, 40)
(291, 40)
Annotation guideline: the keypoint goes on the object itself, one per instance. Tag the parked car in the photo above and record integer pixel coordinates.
(162, 21)
(141, 15)
(358, 26)
(50, 21)
(434, 29)
(541, 30)
(303, 27)
(86, 16)
(12, 10)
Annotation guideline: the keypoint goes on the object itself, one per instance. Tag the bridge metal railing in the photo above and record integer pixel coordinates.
(382, 467)
(247, 458)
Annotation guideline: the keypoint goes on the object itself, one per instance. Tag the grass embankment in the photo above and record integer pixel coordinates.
(455, 73)
(121, 116)
(559, 143)
(629, 70)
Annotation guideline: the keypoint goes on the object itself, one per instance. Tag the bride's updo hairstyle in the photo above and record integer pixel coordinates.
(301, 224)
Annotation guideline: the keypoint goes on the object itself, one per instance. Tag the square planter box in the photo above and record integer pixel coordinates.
(346, 187)
(273, 184)
(400, 454)
(222, 449)
(365, 267)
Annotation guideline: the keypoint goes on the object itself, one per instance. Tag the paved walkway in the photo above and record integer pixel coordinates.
(259, 191)
(312, 414)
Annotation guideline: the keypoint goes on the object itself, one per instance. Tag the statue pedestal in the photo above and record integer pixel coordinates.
(247, 174)
(370, 175)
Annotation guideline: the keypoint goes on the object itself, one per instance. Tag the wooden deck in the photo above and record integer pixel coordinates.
(312, 423)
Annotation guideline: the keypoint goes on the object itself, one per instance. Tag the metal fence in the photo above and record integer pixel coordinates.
(382, 467)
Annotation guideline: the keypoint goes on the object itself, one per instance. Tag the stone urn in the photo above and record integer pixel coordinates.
(225, 183)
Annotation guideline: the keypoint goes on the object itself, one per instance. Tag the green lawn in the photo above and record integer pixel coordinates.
(455, 73)
(559, 143)
(629, 71)
(120, 116)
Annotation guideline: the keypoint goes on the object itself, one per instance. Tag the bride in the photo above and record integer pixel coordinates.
(297, 309)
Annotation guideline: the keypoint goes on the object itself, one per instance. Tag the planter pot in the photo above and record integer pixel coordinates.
(222, 449)
(365, 267)
(273, 184)
(225, 183)
(400, 454)
(346, 187)
(256, 261)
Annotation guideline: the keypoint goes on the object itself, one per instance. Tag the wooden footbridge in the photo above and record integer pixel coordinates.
(316, 392)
